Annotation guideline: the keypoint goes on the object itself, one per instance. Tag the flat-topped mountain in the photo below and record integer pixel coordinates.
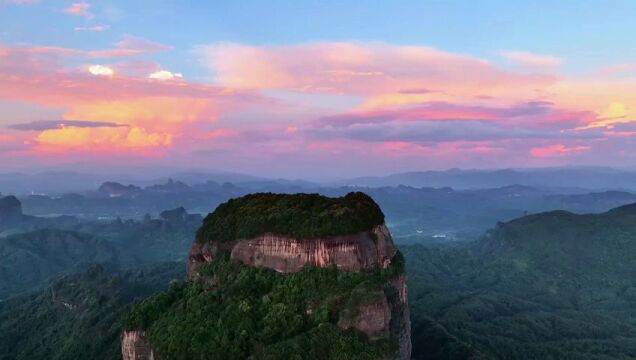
(279, 276)
(289, 232)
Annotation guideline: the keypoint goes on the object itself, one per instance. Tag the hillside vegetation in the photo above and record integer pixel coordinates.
(78, 316)
(256, 313)
(553, 285)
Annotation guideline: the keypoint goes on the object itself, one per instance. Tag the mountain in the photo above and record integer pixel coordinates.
(553, 285)
(29, 261)
(10, 211)
(415, 214)
(275, 276)
(114, 189)
(575, 178)
(79, 315)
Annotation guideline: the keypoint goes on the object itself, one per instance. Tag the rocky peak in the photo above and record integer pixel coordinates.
(174, 215)
(115, 189)
(170, 187)
(10, 209)
(289, 233)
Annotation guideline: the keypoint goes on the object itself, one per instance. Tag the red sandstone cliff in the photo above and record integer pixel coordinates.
(364, 251)
(135, 346)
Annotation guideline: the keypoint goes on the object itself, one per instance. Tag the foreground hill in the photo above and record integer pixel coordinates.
(29, 260)
(276, 276)
(554, 285)
(78, 316)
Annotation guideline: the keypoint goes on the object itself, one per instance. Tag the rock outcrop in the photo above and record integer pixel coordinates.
(364, 251)
(136, 346)
(384, 314)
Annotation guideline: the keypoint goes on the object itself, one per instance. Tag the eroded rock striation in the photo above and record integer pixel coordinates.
(383, 315)
(363, 251)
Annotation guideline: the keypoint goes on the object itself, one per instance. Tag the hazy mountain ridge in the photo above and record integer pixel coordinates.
(416, 214)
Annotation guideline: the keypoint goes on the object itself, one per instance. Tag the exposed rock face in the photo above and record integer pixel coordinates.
(373, 319)
(400, 326)
(201, 254)
(135, 346)
(363, 251)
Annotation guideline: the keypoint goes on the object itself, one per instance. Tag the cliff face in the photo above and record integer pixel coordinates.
(364, 251)
(136, 346)
(400, 326)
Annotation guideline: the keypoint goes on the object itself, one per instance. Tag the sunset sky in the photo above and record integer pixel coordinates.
(316, 88)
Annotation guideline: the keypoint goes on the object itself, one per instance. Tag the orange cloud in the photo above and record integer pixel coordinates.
(155, 112)
(104, 139)
(557, 150)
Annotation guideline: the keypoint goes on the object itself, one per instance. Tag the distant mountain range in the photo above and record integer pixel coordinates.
(415, 214)
(570, 179)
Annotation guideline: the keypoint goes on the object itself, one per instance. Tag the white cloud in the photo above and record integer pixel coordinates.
(97, 28)
(529, 59)
(165, 75)
(101, 70)
(19, 2)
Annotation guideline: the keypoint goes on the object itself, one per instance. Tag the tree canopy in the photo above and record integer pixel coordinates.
(296, 215)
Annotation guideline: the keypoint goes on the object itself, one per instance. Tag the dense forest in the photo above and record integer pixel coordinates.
(78, 316)
(298, 215)
(554, 285)
(256, 313)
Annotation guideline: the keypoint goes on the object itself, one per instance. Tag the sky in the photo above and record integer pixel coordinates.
(316, 89)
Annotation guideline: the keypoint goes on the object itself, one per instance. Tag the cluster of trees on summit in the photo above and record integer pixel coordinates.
(302, 216)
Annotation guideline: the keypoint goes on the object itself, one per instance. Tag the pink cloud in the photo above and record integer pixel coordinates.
(528, 59)
(557, 150)
(80, 9)
(309, 106)
(223, 133)
(618, 69)
(156, 113)
(360, 69)
(128, 46)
